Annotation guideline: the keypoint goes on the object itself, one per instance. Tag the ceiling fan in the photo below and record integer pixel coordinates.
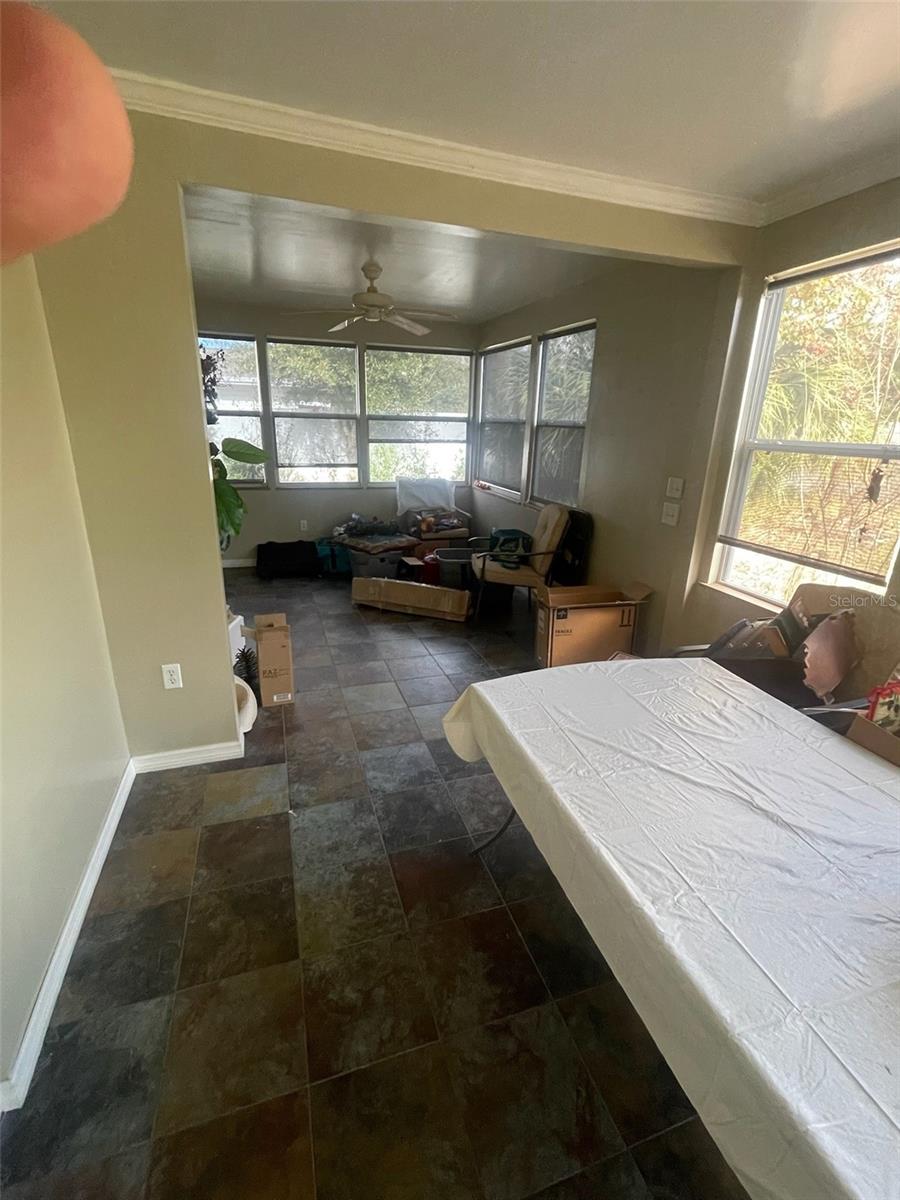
(372, 305)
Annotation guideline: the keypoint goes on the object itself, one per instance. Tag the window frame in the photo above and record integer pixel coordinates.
(466, 420)
(265, 340)
(746, 441)
(267, 414)
(257, 414)
(526, 494)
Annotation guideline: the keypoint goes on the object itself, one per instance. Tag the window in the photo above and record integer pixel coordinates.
(535, 448)
(417, 406)
(563, 397)
(814, 494)
(314, 401)
(239, 401)
(504, 411)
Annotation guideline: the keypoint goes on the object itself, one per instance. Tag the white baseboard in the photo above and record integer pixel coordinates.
(190, 756)
(14, 1089)
(227, 563)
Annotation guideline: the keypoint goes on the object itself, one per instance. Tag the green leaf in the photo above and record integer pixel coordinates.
(220, 471)
(230, 507)
(242, 451)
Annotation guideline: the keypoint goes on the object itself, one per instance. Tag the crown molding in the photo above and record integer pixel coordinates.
(878, 169)
(167, 98)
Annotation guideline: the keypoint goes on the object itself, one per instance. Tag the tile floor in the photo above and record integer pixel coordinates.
(296, 981)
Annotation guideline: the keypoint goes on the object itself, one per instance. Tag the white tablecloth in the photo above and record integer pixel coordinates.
(739, 867)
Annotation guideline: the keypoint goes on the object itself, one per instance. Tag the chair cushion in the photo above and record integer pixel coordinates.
(494, 572)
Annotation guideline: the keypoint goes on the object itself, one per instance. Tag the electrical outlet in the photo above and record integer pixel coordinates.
(670, 514)
(171, 673)
(674, 487)
(304, 525)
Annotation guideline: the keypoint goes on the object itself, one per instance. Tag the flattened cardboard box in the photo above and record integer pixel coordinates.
(586, 624)
(399, 595)
(275, 658)
(871, 736)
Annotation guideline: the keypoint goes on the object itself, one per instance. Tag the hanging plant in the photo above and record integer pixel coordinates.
(211, 363)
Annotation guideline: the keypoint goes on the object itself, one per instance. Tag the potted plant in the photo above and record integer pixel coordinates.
(230, 507)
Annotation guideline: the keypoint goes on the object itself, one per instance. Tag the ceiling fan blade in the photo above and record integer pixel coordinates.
(429, 314)
(345, 324)
(314, 312)
(404, 323)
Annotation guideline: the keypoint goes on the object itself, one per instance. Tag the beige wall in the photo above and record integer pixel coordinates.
(120, 311)
(63, 742)
(275, 513)
(658, 359)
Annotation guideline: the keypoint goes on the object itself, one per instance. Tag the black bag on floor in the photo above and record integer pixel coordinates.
(287, 560)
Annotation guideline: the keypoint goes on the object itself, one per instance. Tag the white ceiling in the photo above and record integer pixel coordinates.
(268, 251)
(741, 99)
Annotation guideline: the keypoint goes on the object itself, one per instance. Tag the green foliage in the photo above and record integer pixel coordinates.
(242, 451)
(408, 382)
(230, 509)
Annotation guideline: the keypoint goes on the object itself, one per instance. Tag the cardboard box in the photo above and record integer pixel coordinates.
(275, 658)
(418, 599)
(585, 624)
(872, 737)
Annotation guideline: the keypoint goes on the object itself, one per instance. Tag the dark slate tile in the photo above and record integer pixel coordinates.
(427, 691)
(404, 651)
(121, 1177)
(233, 1043)
(398, 631)
(146, 871)
(396, 768)
(314, 679)
(518, 868)
(162, 800)
(356, 653)
(313, 744)
(462, 679)
(246, 792)
(395, 727)
(421, 667)
(339, 904)
(328, 834)
(531, 1110)
(354, 674)
(685, 1164)
(481, 801)
(450, 765)
(238, 929)
(323, 705)
(241, 851)
(441, 881)
(640, 1090)
(417, 817)
(346, 634)
(365, 1003)
(94, 1092)
(263, 745)
(559, 943)
(310, 786)
(261, 1152)
(455, 661)
(430, 719)
(121, 958)
(372, 697)
(392, 1130)
(307, 655)
(478, 970)
(616, 1179)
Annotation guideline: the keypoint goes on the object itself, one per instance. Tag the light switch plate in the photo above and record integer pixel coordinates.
(674, 487)
(670, 514)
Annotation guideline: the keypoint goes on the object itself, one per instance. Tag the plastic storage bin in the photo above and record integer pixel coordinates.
(455, 567)
(374, 566)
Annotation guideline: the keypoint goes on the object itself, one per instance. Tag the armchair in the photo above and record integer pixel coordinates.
(548, 534)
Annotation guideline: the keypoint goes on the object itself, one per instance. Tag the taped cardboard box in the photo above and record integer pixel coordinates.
(275, 658)
(418, 599)
(586, 624)
(872, 737)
